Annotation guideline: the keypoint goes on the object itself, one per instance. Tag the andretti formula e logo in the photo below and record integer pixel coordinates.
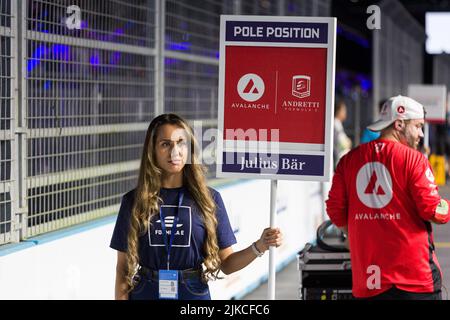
(250, 87)
(301, 86)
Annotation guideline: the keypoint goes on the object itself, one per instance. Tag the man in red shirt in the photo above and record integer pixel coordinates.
(384, 196)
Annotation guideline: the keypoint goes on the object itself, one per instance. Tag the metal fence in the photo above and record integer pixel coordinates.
(7, 115)
(441, 69)
(397, 52)
(75, 103)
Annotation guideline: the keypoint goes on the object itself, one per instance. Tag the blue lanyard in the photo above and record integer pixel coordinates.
(168, 246)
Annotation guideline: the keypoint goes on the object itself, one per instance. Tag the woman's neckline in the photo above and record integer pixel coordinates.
(171, 188)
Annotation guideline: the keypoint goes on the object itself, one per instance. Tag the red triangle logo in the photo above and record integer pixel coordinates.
(370, 189)
(380, 191)
(250, 87)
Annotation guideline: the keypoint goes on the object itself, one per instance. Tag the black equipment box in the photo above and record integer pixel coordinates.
(324, 275)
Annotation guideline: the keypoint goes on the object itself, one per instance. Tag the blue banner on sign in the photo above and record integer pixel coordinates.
(288, 164)
(292, 32)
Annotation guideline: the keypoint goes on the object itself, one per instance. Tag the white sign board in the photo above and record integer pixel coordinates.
(433, 98)
(276, 97)
(448, 102)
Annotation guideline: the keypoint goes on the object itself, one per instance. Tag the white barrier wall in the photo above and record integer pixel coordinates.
(78, 264)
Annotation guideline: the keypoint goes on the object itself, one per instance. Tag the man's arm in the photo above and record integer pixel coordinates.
(431, 207)
(336, 205)
(441, 215)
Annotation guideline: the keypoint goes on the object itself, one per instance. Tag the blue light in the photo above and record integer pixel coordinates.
(47, 84)
(95, 60)
(170, 61)
(40, 27)
(39, 53)
(365, 83)
(352, 37)
(180, 46)
(61, 51)
(347, 80)
(32, 63)
(115, 58)
(118, 31)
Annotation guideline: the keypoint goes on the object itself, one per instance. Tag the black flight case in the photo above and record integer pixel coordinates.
(324, 274)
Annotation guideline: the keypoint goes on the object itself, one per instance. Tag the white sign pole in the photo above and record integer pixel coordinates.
(273, 214)
(426, 139)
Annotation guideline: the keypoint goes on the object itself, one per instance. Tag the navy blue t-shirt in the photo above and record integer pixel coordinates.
(187, 247)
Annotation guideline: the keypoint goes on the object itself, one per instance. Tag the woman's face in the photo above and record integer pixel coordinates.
(171, 148)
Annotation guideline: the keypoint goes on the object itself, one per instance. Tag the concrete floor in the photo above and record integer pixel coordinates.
(287, 280)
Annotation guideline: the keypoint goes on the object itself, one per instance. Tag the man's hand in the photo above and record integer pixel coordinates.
(441, 215)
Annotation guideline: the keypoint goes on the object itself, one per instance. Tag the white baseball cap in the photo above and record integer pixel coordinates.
(397, 108)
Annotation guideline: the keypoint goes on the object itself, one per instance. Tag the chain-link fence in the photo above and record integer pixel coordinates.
(441, 69)
(76, 100)
(397, 52)
(89, 96)
(6, 122)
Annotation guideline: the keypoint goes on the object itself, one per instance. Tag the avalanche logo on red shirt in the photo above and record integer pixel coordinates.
(374, 185)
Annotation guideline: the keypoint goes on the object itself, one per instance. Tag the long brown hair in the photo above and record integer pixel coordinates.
(147, 199)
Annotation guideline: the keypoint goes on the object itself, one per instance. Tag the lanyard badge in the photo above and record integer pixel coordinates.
(168, 284)
(168, 279)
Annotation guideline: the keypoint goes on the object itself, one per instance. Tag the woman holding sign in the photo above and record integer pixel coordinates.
(172, 233)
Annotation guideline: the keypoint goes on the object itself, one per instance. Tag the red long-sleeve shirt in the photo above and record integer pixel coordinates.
(385, 193)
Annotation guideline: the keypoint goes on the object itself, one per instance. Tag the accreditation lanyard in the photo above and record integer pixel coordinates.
(168, 243)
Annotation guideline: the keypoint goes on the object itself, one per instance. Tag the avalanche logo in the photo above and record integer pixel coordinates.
(374, 185)
(183, 228)
(250, 87)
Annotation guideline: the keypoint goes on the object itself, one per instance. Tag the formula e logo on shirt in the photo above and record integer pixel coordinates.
(183, 230)
(301, 86)
(374, 185)
(169, 222)
(250, 87)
